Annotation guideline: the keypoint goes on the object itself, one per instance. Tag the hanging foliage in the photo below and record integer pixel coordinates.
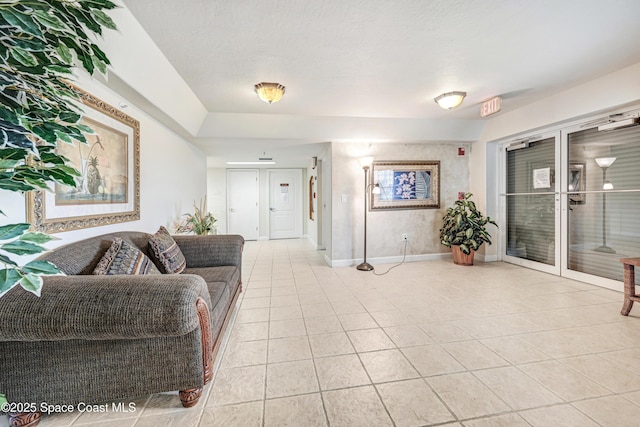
(41, 41)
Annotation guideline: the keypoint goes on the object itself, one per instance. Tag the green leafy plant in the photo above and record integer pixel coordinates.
(200, 222)
(40, 42)
(465, 226)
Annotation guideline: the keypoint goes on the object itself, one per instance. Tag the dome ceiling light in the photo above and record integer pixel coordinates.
(270, 92)
(450, 100)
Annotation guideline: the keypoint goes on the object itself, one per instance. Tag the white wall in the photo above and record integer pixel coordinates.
(172, 176)
(139, 63)
(385, 228)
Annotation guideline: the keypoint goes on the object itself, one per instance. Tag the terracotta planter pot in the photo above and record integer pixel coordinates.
(460, 257)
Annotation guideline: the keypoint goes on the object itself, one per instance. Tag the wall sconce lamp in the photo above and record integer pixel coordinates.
(366, 164)
(605, 163)
(269, 92)
(450, 100)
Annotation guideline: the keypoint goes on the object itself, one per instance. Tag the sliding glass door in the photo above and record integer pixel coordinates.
(572, 200)
(532, 203)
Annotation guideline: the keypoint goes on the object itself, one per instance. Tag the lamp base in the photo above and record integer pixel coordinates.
(365, 266)
(605, 249)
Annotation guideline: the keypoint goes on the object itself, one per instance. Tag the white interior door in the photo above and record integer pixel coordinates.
(285, 204)
(242, 202)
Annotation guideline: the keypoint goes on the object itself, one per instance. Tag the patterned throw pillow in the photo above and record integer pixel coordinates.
(167, 251)
(123, 258)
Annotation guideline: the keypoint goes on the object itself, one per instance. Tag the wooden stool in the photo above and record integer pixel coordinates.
(629, 284)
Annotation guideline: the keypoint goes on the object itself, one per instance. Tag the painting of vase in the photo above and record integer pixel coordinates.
(102, 163)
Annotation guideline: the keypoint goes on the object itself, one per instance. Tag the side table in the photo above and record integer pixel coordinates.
(629, 284)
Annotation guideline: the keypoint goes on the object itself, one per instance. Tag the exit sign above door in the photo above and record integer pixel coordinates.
(490, 106)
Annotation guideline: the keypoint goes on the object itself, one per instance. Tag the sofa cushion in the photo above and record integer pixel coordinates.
(228, 274)
(124, 258)
(222, 282)
(167, 252)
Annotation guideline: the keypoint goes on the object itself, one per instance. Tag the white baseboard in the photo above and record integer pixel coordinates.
(387, 260)
(327, 260)
(486, 258)
(263, 238)
(313, 242)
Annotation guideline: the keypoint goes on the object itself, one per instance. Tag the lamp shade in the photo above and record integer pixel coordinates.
(270, 92)
(450, 100)
(366, 161)
(605, 162)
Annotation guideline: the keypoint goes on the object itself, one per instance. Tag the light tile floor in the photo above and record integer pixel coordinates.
(428, 344)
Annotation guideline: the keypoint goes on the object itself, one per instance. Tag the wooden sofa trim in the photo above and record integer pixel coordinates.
(191, 396)
(25, 419)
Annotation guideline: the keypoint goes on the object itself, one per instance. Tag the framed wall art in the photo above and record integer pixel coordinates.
(108, 188)
(312, 198)
(406, 185)
(577, 182)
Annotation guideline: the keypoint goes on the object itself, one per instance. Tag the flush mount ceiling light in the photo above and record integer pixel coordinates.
(269, 92)
(450, 100)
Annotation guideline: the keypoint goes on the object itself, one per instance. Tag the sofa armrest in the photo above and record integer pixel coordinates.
(211, 250)
(103, 307)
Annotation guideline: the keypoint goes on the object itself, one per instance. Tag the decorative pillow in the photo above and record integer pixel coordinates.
(123, 258)
(167, 252)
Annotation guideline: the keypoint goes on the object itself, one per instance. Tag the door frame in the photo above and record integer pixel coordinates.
(299, 195)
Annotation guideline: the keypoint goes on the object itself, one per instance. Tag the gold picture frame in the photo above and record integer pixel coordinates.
(108, 190)
(312, 196)
(406, 185)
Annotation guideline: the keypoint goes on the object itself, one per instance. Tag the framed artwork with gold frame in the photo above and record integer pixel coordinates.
(108, 188)
(406, 185)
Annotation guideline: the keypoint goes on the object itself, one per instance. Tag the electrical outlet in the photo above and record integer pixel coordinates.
(405, 237)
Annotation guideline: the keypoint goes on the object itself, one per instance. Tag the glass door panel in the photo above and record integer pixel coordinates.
(603, 218)
(531, 205)
(531, 227)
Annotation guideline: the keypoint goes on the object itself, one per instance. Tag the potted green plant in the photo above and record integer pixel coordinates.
(200, 222)
(41, 41)
(464, 230)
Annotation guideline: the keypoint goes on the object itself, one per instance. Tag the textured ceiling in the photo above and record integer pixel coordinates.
(388, 58)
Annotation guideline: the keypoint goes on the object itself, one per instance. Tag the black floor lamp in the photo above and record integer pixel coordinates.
(604, 163)
(366, 163)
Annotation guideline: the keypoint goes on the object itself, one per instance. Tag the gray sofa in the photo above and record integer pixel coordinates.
(90, 339)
